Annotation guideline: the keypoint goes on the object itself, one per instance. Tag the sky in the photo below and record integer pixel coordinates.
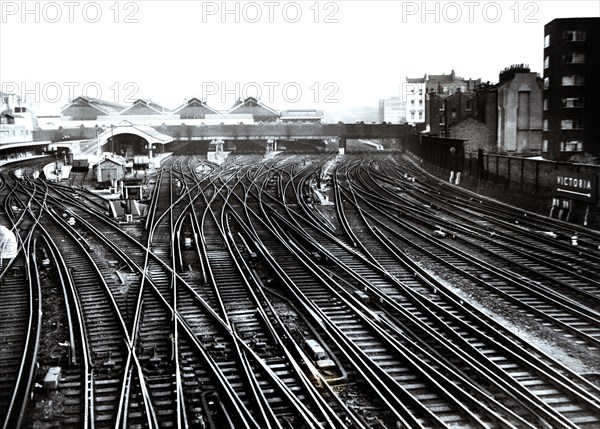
(291, 54)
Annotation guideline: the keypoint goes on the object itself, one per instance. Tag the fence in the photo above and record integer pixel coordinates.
(530, 175)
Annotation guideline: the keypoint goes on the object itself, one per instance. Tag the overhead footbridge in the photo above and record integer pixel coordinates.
(278, 131)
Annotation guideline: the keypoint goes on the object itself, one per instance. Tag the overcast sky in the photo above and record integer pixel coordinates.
(300, 54)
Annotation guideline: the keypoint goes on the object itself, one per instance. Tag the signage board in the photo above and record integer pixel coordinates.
(576, 186)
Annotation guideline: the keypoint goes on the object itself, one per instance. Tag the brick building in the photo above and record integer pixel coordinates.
(512, 111)
(446, 112)
(443, 89)
(505, 117)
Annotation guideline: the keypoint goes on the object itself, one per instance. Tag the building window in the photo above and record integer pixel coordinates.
(546, 62)
(420, 115)
(573, 80)
(545, 104)
(546, 82)
(442, 106)
(573, 36)
(546, 41)
(573, 58)
(453, 113)
(571, 146)
(412, 115)
(571, 124)
(544, 145)
(572, 102)
(545, 125)
(412, 102)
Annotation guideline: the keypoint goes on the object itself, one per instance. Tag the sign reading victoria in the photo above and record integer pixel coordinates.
(575, 186)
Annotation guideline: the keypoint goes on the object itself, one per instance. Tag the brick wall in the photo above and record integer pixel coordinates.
(475, 131)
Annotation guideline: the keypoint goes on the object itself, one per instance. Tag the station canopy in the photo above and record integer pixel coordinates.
(149, 134)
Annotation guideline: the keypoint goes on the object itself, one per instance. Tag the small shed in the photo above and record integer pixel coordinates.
(133, 188)
(111, 169)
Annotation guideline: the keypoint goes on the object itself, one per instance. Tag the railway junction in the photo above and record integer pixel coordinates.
(291, 291)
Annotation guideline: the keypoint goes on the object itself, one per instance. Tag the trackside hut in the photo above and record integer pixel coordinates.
(111, 169)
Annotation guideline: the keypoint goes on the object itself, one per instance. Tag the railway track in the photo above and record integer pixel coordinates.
(298, 292)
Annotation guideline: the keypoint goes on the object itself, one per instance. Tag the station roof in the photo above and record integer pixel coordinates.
(86, 108)
(194, 108)
(254, 107)
(144, 107)
(22, 144)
